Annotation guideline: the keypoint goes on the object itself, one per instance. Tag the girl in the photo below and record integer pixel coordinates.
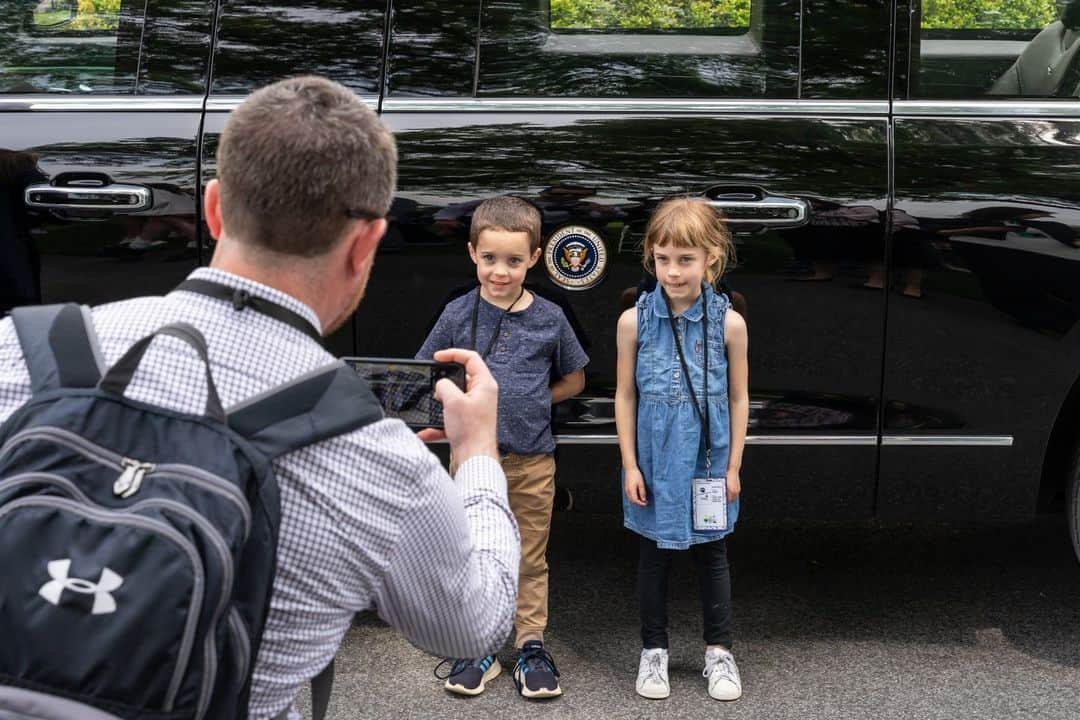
(681, 408)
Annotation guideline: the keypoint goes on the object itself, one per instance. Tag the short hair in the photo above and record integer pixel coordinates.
(507, 213)
(689, 222)
(298, 157)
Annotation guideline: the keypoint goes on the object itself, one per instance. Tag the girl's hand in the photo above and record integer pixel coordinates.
(634, 486)
(734, 486)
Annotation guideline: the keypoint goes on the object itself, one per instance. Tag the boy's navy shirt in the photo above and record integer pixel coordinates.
(533, 344)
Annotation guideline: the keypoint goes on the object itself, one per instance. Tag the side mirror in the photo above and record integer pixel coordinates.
(47, 14)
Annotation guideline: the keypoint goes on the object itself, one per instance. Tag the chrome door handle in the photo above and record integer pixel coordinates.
(116, 197)
(751, 205)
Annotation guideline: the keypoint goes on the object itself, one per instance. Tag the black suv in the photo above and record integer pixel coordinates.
(903, 183)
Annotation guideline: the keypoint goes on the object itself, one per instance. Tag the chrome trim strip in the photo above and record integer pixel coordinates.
(836, 440)
(228, 103)
(750, 440)
(111, 103)
(665, 106)
(987, 108)
(900, 108)
(650, 44)
(948, 440)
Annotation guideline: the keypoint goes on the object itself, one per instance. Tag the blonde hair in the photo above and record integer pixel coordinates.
(689, 222)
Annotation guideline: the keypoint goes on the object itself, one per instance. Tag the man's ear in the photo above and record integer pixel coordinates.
(212, 208)
(363, 242)
(472, 253)
(535, 257)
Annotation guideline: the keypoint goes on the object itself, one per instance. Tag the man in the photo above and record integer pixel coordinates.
(369, 519)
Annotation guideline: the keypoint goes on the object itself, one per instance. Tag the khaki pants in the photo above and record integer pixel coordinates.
(530, 483)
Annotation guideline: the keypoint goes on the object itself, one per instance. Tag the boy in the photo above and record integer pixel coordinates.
(526, 341)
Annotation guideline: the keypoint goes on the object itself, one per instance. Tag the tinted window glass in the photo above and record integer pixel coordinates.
(995, 49)
(633, 48)
(261, 42)
(93, 46)
(432, 47)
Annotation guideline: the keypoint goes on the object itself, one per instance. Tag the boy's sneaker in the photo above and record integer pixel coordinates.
(723, 675)
(469, 677)
(535, 673)
(652, 677)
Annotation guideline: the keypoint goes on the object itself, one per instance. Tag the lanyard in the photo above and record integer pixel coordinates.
(498, 324)
(241, 299)
(703, 417)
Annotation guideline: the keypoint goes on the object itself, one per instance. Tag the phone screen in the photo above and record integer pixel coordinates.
(406, 388)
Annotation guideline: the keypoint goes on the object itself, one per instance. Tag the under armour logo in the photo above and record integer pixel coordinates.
(101, 590)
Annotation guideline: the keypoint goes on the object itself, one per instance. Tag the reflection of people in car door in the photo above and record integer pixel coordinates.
(20, 266)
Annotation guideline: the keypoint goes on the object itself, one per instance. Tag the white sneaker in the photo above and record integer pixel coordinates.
(723, 675)
(652, 677)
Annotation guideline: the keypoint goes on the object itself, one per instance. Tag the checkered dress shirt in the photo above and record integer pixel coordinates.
(369, 519)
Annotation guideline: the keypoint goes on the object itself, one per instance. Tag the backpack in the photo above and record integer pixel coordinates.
(137, 543)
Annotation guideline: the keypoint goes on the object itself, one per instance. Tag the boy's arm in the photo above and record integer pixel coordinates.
(568, 363)
(737, 343)
(568, 386)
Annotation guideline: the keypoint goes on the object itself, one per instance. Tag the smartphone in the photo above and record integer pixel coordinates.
(406, 388)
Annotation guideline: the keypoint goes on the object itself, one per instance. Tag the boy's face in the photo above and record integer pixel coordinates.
(502, 258)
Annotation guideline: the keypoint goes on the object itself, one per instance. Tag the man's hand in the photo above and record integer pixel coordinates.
(468, 417)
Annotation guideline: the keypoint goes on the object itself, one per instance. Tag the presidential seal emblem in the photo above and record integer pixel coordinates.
(575, 257)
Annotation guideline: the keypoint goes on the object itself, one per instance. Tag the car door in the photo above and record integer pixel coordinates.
(982, 354)
(260, 43)
(774, 110)
(100, 105)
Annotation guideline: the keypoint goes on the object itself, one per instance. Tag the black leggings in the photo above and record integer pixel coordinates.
(714, 586)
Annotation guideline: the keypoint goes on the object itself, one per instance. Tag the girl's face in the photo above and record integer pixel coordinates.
(681, 270)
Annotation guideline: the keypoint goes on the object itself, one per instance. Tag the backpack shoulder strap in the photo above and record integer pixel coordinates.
(60, 346)
(326, 402)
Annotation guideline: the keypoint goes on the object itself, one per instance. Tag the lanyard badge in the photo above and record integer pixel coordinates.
(709, 493)
(498, 324)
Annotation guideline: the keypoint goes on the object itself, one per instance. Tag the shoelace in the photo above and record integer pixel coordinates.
(534, 659)
(724, 660)
(654, 667)
(455, 668)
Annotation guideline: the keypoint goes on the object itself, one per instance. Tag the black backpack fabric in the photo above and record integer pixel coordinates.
(137, 544)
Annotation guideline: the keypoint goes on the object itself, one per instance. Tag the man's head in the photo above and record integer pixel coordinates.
(306, 172)
(504, 242)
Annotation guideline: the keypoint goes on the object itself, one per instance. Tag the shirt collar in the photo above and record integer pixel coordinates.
(259, 290)
(692, 313)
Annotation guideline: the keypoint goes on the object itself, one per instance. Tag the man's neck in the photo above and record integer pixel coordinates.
(291, 283)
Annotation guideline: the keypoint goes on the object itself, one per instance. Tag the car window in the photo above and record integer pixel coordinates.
(639, 48)
(261, 42)
(433, 48)
(104, 46)
(995, 49)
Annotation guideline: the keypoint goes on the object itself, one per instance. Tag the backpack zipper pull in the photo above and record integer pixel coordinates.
(131, 478)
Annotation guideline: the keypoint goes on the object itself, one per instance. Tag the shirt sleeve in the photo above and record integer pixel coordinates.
(451, 583)
(569, 355)
(440, 338)
(14, 377)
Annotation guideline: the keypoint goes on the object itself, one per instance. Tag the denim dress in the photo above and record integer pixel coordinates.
(670, 446)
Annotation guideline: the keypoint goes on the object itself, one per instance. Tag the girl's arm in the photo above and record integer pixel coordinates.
(626, 405)
(737, 342)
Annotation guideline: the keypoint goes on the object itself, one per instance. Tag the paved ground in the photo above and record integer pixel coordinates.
(832, 621)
